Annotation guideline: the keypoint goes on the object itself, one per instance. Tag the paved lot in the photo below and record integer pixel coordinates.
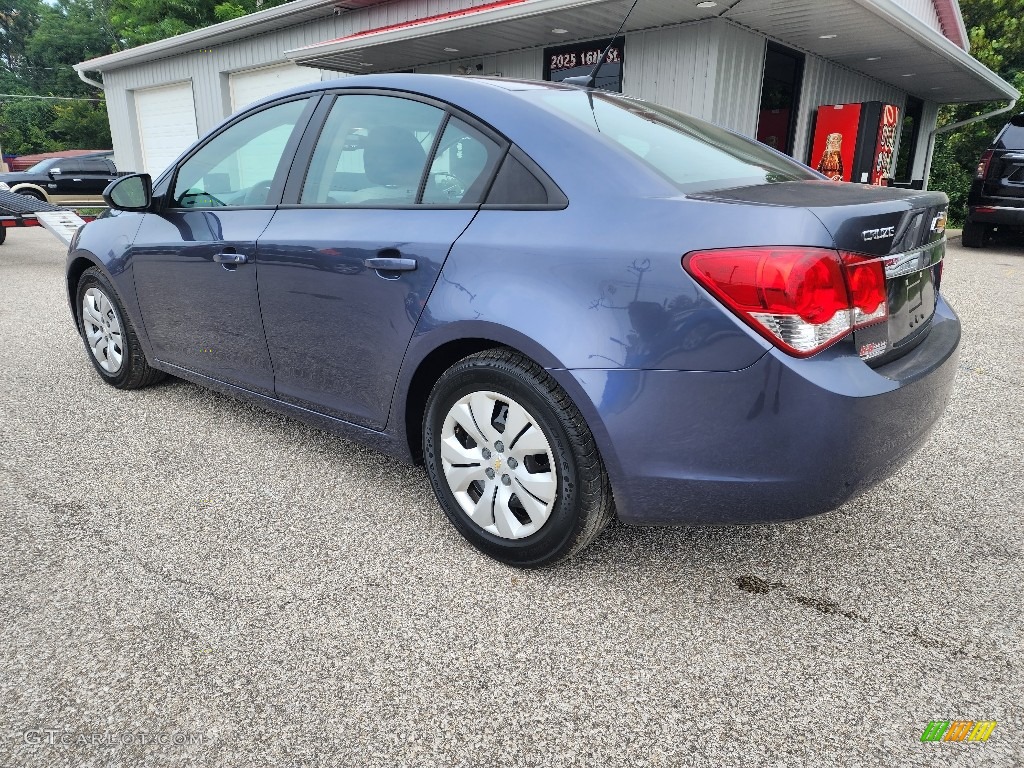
(175, 562)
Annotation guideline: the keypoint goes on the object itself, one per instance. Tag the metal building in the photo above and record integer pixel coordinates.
(760, 67)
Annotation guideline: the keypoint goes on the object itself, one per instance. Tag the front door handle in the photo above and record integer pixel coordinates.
(390, 264)
(230, 258)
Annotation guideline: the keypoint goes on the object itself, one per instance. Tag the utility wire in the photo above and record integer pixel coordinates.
(53, 98)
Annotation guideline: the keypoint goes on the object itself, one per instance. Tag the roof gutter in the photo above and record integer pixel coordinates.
(88, 80)
(959, 124)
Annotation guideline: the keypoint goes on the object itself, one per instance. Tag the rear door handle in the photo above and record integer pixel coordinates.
(390, 264)
(230, 258)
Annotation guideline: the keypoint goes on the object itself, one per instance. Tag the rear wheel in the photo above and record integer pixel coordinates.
(110, 340)
(3, 234)
(512, 462)
(974, 234)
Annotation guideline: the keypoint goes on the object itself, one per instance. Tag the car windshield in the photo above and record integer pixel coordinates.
(41, 167)
(695, 156)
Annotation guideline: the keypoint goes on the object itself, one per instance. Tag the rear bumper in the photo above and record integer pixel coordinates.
(996, 214)
(782, 439)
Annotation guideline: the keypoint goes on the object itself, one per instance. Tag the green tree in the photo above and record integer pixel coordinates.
(25, 124)
(17, 21)
(996, 33)
(144, 21)
(41, 41)
(68, 32)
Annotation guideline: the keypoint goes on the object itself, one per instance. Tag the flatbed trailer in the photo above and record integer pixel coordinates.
(20, 211)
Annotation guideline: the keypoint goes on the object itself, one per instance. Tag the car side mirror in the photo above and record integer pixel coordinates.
(130, 193)
(54, 172)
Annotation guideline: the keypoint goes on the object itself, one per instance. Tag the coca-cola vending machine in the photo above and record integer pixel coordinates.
(855, 142)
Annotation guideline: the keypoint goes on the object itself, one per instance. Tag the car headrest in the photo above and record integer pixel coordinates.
(392, 156)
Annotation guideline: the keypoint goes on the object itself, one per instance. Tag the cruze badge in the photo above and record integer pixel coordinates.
(878, 234)
(939, 223)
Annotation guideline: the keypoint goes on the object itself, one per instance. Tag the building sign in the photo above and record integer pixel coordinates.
(580, 59)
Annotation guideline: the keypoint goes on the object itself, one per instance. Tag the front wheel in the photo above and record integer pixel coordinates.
(110, 340)
(512, 462)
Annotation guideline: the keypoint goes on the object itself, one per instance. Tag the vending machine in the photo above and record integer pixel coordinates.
(855, 142)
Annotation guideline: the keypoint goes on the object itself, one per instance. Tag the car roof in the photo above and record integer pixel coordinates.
(443, 87)
(509, 107)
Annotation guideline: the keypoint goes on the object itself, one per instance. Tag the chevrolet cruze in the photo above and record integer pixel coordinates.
(569, 305)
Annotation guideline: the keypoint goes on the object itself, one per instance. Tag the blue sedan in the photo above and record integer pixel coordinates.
(569, 305)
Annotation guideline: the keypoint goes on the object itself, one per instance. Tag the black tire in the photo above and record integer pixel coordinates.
(32, 193)
(582, 504)
(3, 234)
(134, 371)
(974, 234)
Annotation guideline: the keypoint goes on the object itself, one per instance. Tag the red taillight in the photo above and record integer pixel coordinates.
(802, 299)
(982, 170)
(865, 277)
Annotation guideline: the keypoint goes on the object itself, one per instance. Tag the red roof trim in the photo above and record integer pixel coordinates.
(425, 20)
(949, 21)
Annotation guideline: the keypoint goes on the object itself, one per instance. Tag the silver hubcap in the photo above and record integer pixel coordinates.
(498, 464)
(102, 330)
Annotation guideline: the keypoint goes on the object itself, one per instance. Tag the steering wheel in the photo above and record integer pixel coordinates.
(450, 186)
(258, 193)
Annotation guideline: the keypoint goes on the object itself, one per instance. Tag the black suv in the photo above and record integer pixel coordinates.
(997, 193)
(65, 180)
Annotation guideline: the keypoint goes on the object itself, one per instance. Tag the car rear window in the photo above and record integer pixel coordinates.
(695, 156)
(1012, 136)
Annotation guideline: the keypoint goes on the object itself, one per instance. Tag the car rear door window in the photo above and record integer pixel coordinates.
(94, 166)
(372, 151)
(237, 167)
(68, 166)
(463, 164)
(515, 185)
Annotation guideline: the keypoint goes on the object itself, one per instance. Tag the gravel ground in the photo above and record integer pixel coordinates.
(181, 567)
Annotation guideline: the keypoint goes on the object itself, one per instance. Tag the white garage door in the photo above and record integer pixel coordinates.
(255, 84)
(167, 124)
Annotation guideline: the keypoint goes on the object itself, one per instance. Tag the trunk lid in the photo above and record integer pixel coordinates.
(905, 228)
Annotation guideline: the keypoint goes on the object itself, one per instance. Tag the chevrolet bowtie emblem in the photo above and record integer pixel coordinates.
(497, 464)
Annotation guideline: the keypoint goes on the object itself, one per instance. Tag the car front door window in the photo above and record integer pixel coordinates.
(237, 167)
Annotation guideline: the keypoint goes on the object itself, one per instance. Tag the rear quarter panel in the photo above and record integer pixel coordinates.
(602, 286)
(598, 288)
